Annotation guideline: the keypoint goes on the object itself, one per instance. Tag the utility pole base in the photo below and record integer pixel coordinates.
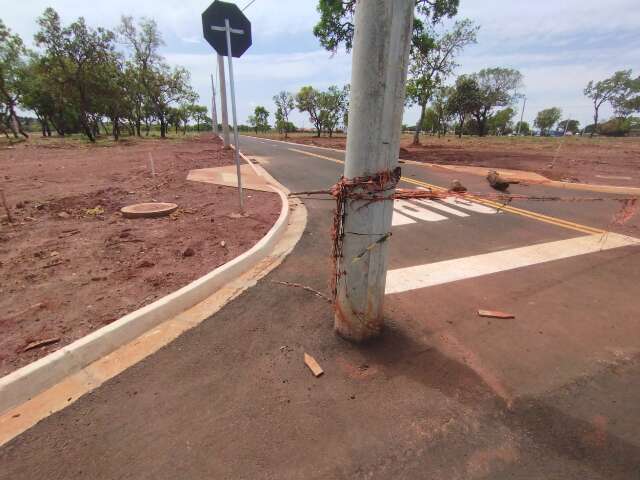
(354, 331)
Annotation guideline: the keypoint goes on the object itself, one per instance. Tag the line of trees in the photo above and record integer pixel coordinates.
(327, 110)
(94, 80)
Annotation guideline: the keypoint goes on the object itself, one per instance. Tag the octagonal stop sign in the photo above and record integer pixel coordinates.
(213, 26)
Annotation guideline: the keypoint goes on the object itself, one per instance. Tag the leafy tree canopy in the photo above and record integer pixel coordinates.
(336, 24)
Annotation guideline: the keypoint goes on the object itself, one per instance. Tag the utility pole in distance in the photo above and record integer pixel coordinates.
(223, 103)
(214, 113)
(524, 104)
(382, 39)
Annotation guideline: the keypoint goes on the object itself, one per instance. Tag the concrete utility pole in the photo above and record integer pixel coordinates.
(214, 112)
(223, 103)
(381, 44)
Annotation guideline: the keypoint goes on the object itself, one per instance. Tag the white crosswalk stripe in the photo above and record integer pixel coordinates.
(408, 212)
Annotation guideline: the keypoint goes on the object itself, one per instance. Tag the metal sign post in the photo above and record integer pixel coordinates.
(228, 31)
(214, 113)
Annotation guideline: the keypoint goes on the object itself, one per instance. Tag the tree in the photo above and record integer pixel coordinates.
(546, 119)
(308, 101)
(12, 53)
(523, 128)
(333, 105)
(628, 100)
(253, 123)
(46, 94)
(463, 99)
(285, 104)
(200, 114)
(336, 23)
(618, 127)
(160, 86)
(608, 90)
(497, 88)
(568, 125)
(80, 55)
(442, 113)
(261, 119)
(500, 122)
(433, 62)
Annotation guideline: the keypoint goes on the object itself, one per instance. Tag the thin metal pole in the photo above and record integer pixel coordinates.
(233, 110)
(379, 70)
(524, 104)
(214, 112)
(223, 103)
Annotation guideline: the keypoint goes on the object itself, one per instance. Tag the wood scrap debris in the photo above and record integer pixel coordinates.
(313, 365)
(497, 182)
(6, 207)
(41, 343)
(495, 314)
(457, 186)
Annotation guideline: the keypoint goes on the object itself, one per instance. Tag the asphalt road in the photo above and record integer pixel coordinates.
(553, 393)
(573, 308)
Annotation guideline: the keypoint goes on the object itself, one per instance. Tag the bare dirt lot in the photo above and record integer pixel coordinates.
(599, 160)
(71, 263)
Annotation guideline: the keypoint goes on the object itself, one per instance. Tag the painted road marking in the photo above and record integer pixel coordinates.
(398, 219)
(415, 211)
(519, 211)
(444, 208)
(498, 206)
(423, 276)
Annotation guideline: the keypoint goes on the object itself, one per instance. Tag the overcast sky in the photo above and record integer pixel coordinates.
(557, 45)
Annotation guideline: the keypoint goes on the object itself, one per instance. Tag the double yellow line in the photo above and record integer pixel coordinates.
(505, 208)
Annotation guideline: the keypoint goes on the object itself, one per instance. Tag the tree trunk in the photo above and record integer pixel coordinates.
(595, 122)
(16, 123)
(461, 126)
(416, 135)
(87, 128)
(138, 127)
(482, 122)
(163, 128)
(116, 128)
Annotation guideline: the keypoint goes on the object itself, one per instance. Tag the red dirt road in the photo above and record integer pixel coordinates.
(70, 263)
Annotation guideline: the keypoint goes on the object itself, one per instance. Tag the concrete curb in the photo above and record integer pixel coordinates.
(26, 382)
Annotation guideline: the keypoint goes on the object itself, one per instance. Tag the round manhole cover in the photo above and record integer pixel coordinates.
(148, 210)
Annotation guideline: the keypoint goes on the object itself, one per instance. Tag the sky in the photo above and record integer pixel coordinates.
(557, 45)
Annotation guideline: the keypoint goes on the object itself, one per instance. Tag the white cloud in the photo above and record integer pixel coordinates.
(558, 45)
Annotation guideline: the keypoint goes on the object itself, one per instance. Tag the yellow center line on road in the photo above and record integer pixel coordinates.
(519, 211)
(505, 208)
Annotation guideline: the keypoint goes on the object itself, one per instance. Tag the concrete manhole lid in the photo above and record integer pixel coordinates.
(148, 210)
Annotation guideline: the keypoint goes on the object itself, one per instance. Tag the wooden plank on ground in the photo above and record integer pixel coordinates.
(315, 368)
(495, 314)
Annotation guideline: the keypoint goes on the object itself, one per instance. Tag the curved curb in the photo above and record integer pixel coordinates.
(30, 380)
